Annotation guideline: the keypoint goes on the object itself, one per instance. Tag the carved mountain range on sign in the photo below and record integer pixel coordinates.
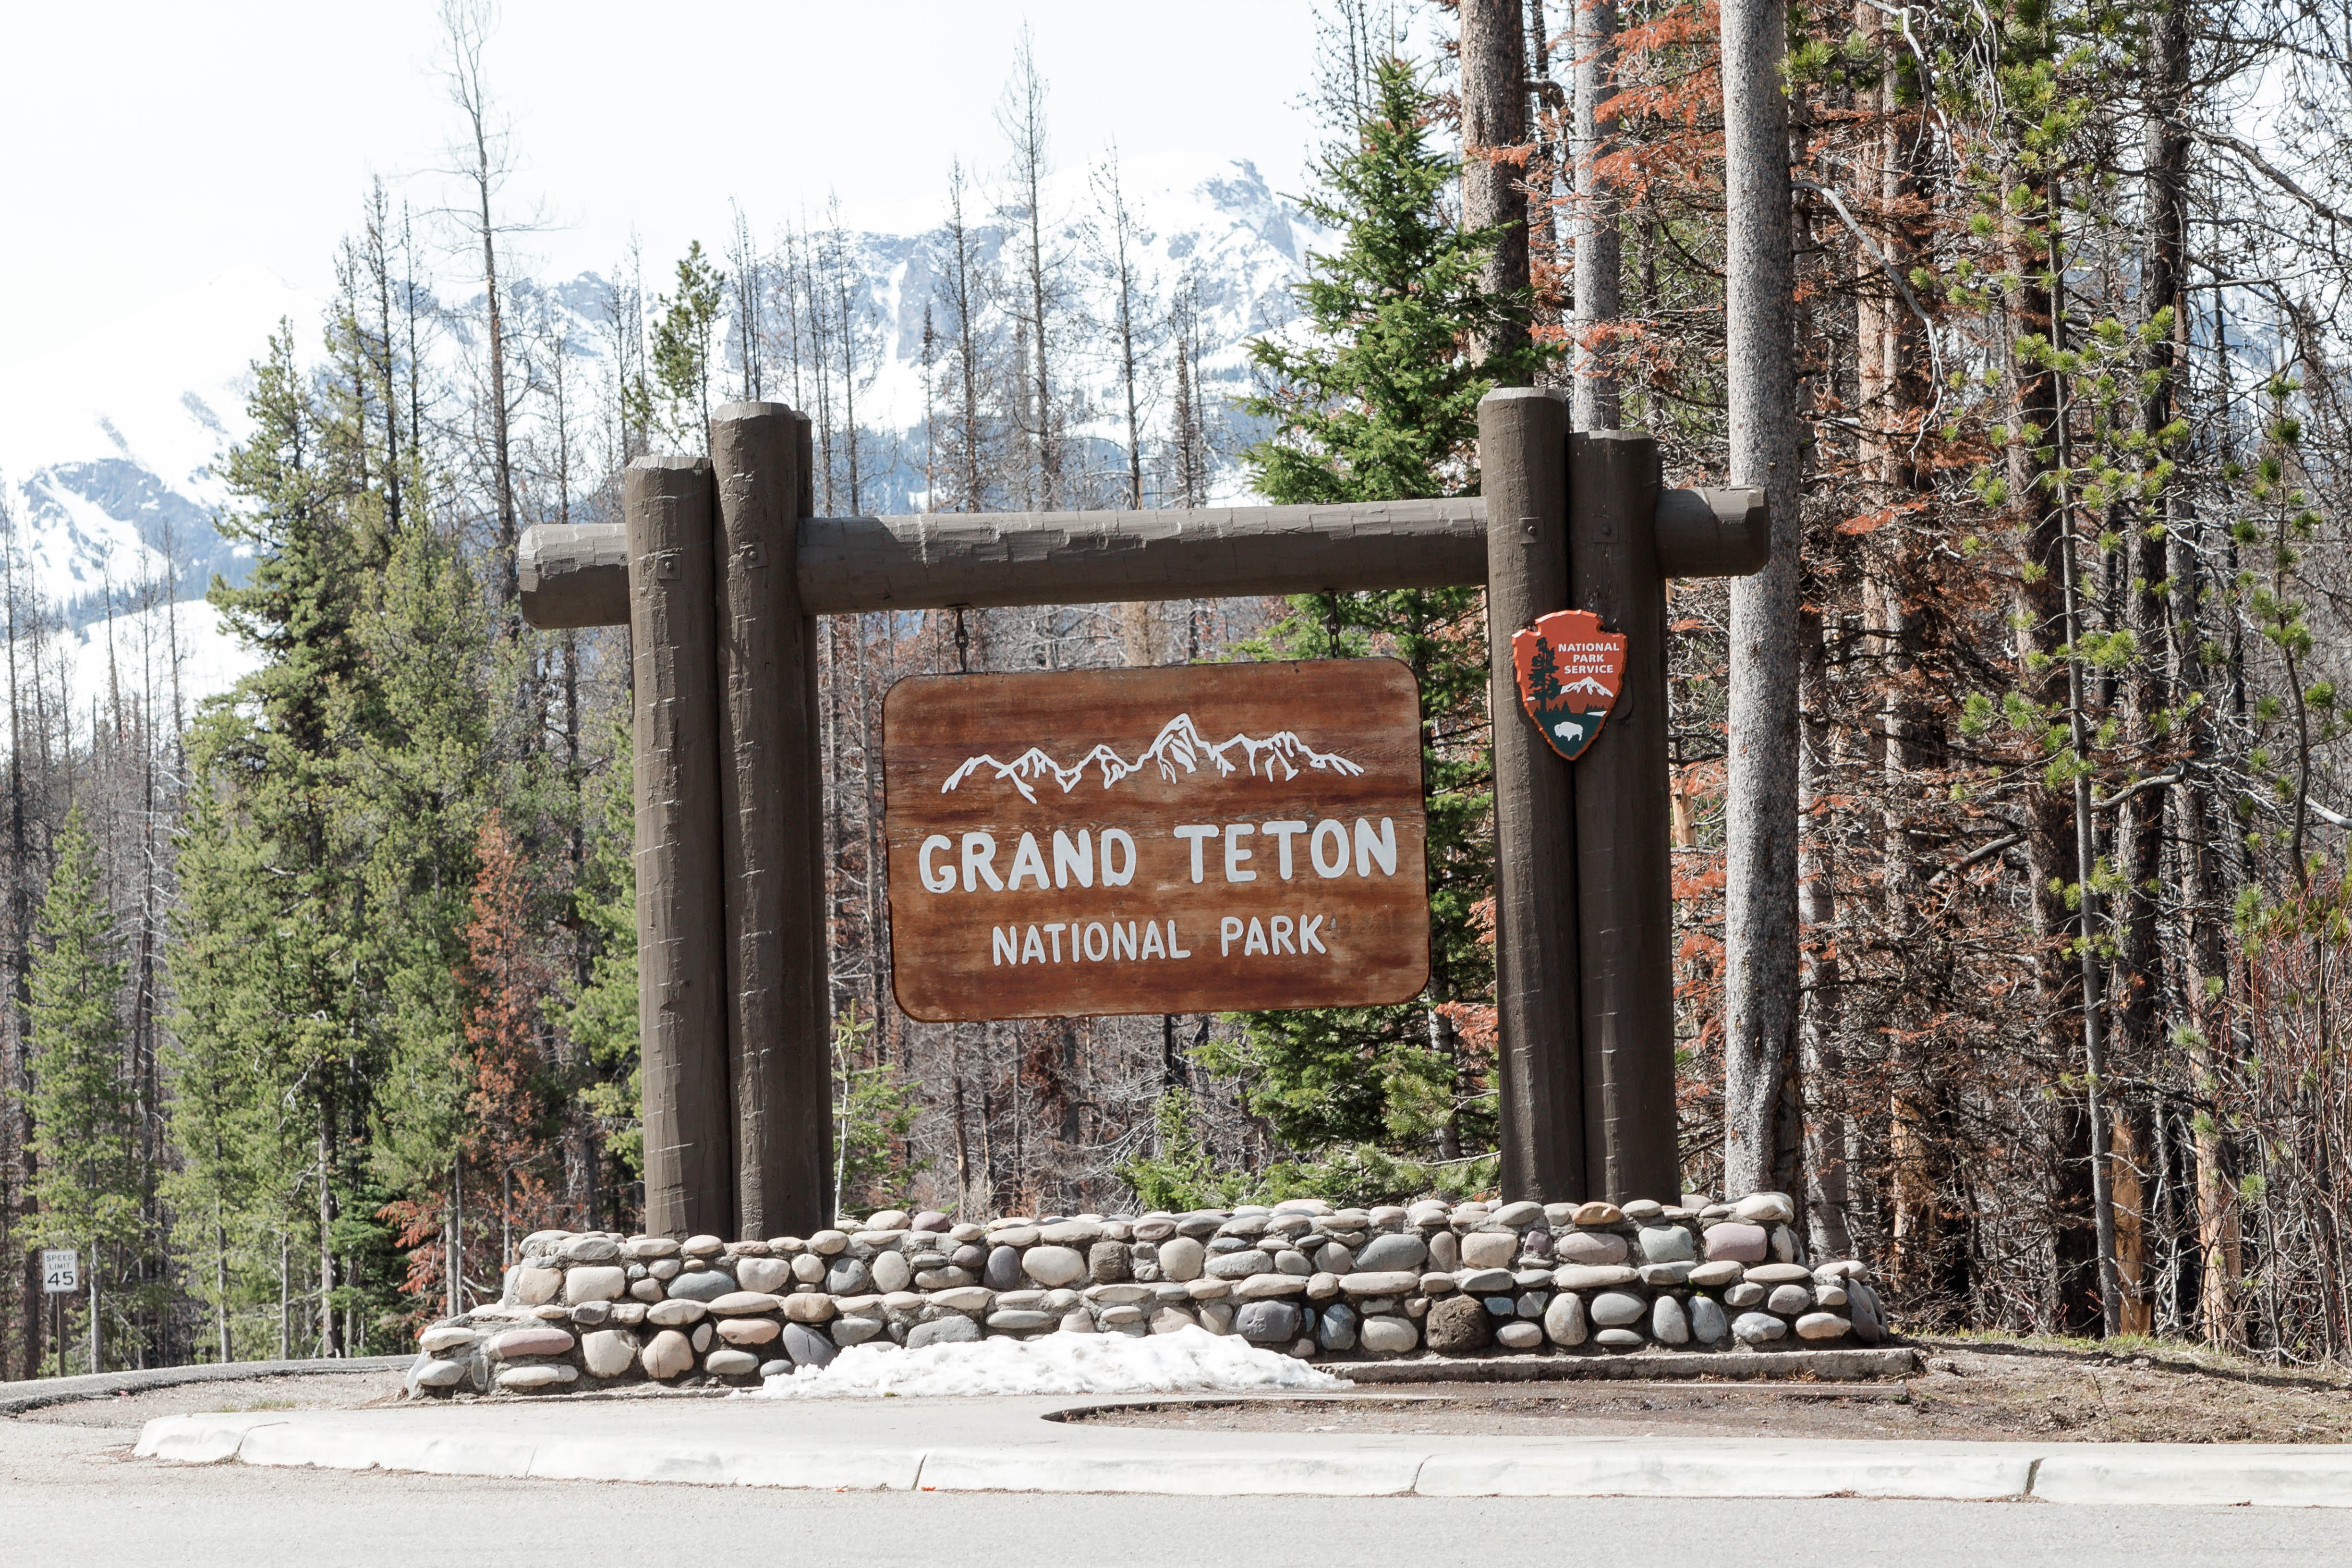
(1179, 749)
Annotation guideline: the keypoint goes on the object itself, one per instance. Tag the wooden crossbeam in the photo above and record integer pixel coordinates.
(577, 576)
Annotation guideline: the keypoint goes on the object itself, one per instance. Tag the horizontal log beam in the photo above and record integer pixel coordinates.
(577, 576)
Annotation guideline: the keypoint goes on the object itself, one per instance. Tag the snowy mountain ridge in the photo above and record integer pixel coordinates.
(108, 444)
(1180, 745)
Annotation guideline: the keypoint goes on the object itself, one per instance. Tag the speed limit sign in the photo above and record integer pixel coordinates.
(61, 1270)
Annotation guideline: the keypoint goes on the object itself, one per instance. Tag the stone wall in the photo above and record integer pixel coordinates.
(597, 1309)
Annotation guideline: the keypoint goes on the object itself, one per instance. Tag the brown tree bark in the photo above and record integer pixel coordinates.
(1494, 146)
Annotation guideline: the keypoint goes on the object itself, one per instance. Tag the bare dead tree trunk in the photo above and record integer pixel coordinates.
(1761, 817)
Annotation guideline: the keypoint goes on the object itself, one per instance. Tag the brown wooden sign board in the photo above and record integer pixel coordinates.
(1193, 839)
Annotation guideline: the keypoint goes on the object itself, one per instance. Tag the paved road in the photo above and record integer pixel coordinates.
(71, 1494)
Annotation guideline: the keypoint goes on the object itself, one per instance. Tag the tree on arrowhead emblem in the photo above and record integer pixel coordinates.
(1569, 674)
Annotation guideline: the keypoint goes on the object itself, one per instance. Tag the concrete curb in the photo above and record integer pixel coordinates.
(15, 1398)
(1658, 1366)
(2111, 1474)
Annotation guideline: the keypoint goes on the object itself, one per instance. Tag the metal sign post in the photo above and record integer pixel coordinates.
(720, 570)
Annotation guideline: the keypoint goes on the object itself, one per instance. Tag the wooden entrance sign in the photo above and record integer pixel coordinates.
(719, 571)
(1193, 839)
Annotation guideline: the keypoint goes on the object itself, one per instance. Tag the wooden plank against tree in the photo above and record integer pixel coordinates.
(770, 779)
(1523, 457)
(1190, 839)
(681, 972)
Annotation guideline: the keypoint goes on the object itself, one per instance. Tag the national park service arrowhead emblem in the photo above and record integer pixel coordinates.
(1569, 674)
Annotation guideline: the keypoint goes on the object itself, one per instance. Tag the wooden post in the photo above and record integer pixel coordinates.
(1625, 912)
(771, 833)
(1523, 457)
(681, 969)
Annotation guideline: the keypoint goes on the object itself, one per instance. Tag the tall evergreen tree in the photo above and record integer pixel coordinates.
(90, 1182)
(1380, 403)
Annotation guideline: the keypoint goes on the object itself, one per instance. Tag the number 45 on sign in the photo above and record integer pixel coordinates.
(60, 1271)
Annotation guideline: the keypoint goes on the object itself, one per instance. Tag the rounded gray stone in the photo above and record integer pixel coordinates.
(702, 1285)
(1335, 1328)
(1386, 1254)
(1617, 1309)
(1389, 1335)
(1520, 1335)
(1563, 1320)
(847, 1277)
(892, 1272)
(1267, 1322)
(1668, 1324)
(1707, 1323)
(1667, 1243)
(1181, 1259)
(1618, 1338)
(1758, 1329)
(1052, 1265)
(1789, 1300)
(957, 1330)
(731, 1364)
(1001, 1272)
(806, 1346)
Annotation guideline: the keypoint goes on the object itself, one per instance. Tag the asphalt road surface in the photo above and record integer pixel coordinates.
(71, 1494)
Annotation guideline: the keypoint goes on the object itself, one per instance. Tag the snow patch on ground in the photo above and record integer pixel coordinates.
(1186, 1361)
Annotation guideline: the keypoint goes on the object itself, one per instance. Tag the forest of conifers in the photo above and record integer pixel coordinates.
(322, 995)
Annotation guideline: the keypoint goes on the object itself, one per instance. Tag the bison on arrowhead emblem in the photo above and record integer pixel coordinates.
(1569, 674)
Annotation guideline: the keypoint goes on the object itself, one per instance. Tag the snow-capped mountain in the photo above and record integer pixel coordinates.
(1179, 748)
(107, 445)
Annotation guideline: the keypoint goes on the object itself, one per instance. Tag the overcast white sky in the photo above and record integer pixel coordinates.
(150, 146)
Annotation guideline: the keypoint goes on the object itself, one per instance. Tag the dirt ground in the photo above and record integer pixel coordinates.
(1973, 1389)
(317, 1391)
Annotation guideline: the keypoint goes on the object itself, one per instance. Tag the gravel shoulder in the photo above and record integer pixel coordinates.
(1973, 1389)
(131, 1410)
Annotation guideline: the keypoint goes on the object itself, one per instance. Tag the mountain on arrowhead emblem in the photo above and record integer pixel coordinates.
(1569, 674)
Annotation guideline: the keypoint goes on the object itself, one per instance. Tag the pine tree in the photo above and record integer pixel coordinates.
(90, 1182)
(1380, 403)
(684, 334)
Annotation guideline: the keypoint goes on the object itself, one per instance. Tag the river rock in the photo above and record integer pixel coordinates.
(930, 1219)
(666, 1268)
(646, 1249)
(1615, 1309)
(1444, 1251)
(1071, 1233)
(808, 1268)
(1396, 1282)
(1392, 1254)
(957, 1330)
(1732, 1242)
(1389, 1335)
(741, 1303)
(731, 1364)
(1707, 1323)
(1520, 1335)
(443, 1337)
(1333, 1258)
(437, 1375)
(1862, 1307)
(1052, 1265)
(1458, 1326)
(967, 1298)
(1789, 1300)
(1641, 1211)
(1598, 1213)
(847, 1331)
(890, 1271)
(1666, 1244)
(1484, 1281)
(675, 1314)
(590, 1314)
(538, 1375)
(1181, 1259)
(1520, 1215)
(1240, 1265)
(1715, 1276)
(1268, 1287)
(1618, 1338)
(1781, 1274)
(769, 1275)
(542, 1341)
(1765, 1209)
(811, 1307)
(1107, 1262)
(1267, 1322)
(608, 1352)
(702, 1285)
(1172, 1320)
(826, 1243)
(1590, 1248)
(1001, 1272)
(590, 1249)
(666, 1355)
(1823, 1326)
(1489, 1249)
(1758, 1329)
(1745, 1294)
(1583, 1277)
(1563, 1320)
(1668, 1323)
(847, 1277)
(534, 1287)
(1336, 1327)
(748, 1331)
